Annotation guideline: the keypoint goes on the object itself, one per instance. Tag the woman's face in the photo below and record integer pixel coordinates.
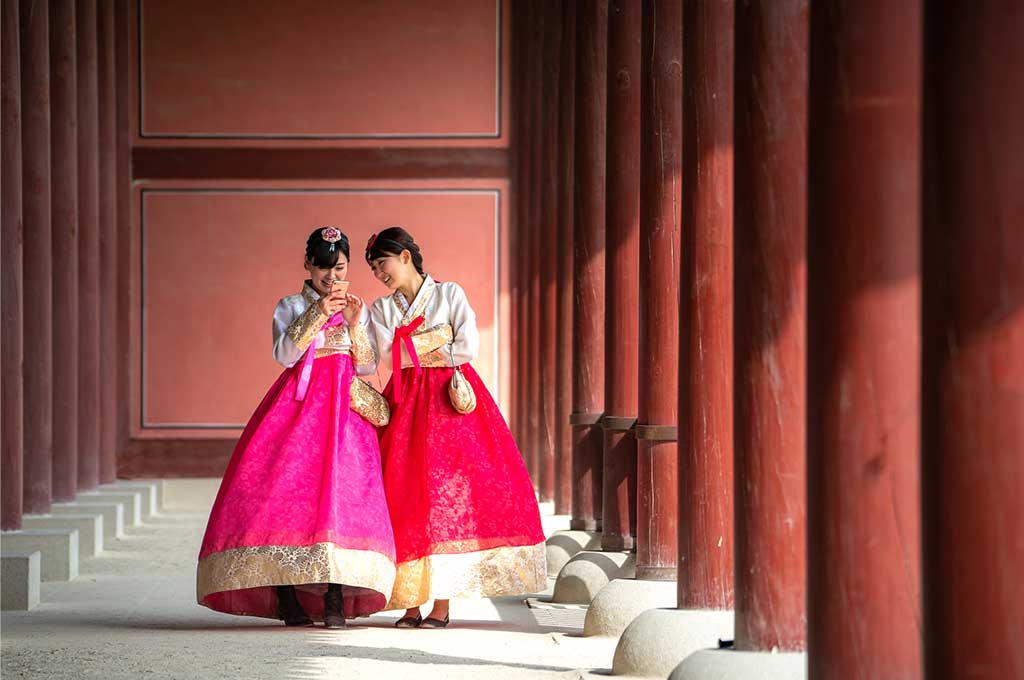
(393, 270)
(323, 279)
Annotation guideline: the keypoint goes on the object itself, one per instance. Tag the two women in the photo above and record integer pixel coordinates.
(317, 521)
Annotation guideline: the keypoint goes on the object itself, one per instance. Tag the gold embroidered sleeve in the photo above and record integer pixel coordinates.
(432, 339)
(304, 329)
(362, 349)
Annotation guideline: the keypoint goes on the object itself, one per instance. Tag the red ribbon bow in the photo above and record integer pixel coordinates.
(403, 335)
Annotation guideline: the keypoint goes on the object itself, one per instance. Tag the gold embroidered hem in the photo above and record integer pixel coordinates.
(273, 565)
(508, 570)
(363, 353)
(304, 329)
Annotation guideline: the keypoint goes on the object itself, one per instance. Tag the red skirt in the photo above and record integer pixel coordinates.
(462, 505)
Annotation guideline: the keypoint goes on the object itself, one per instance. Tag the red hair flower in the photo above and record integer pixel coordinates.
(330, 234)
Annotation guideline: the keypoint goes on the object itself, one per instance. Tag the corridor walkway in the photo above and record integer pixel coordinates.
(132, 614)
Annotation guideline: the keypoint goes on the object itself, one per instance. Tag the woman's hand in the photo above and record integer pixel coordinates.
(352, 309)
(332, 304)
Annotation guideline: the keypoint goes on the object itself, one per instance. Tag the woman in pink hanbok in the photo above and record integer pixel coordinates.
(300, 529)
(464, 513)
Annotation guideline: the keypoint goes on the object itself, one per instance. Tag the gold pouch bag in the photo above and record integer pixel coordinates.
(459, 390)
(369, 403)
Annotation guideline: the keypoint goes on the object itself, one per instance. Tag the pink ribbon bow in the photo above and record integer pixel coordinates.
(307, 361)
(403, 335)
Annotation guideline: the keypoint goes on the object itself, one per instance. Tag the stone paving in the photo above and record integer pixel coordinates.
(132, 614)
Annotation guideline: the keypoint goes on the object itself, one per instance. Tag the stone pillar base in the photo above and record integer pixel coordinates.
(621, 601)
(562, 546)
(149, 492)
(132, 501)
(89, 525)
(58, 550)
(19, 579)
(113, 514)
(590, 571)
(659, 639)
(729, 664)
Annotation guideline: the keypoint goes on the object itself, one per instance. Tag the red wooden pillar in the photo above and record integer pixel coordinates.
(38, 325)
(588, 263)
(106, 39)
(64, 208)
(973, 404)
(622, 271)
(124, 220)
(864, 221)
(548, 247)
(660, 217)
(88, 248)
(536, 434)
(770, 323)
(565, 280)
(519, 95)
(705, 453)
(12, 272)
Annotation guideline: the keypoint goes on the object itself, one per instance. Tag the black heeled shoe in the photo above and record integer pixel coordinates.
(431, 622)
(288, 608)
(334, 607)
(409, 621)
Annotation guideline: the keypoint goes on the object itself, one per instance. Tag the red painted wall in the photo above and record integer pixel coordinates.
(271, 119)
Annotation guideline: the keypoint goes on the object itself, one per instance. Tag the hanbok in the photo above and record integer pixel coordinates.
(462, 505)
(302, 502)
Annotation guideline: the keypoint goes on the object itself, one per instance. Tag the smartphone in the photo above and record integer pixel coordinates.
(339, 288)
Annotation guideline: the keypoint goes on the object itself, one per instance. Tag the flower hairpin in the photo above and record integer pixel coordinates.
(370, 241)
(331, 235)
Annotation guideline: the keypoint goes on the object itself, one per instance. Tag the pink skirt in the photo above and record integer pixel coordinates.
(302, 503)
(464, 513)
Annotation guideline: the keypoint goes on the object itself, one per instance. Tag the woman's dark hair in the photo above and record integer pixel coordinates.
(392, 241)
(322, 253)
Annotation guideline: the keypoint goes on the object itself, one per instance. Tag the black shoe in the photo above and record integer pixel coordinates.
(288, 608)
(434, 623)
(334, 608)
(409, 621)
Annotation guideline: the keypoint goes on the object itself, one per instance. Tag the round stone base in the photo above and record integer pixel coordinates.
(588, 572)
(659, 639)
(564, 545)
(618, 603)
(729, 664)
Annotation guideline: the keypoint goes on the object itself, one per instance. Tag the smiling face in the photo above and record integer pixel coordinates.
(323, 279)
(393, 270)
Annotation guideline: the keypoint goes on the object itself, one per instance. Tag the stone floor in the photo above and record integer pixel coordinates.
(132, 614)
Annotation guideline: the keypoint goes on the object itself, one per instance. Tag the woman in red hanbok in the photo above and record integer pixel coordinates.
(300, 528)
(463, 509)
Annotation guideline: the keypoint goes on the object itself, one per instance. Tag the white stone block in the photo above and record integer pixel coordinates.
(146, 490)
(659, 639)
(112, 511)
(89, 525)
(730, 664)
(19, 579)
(132, 501)
(58, 550)
(564, 545)
(191, 494)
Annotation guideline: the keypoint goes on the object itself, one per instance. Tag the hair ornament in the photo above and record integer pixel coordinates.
(370, 241)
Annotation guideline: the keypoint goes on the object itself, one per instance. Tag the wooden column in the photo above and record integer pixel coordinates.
(88, 248)
(64, 209)
(973, 404)
(518, 95)
(588, 263)
(548, 245)
(38, 324)
(536, 433)
(11, 252)
(705, 453)
(566, 283)
(106, 39)
(660, 217)
(622, 271)
(863, 381)
(125, 232)
(770, 323)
